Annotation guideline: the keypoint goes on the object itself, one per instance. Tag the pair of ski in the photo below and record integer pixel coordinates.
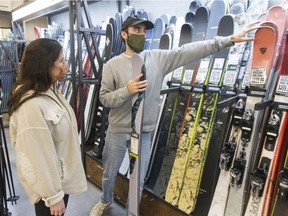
(182, 33)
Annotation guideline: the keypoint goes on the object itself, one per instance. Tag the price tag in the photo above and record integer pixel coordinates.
(258, 76)
(282, 86)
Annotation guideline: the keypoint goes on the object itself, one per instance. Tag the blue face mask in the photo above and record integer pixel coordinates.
(136, 42)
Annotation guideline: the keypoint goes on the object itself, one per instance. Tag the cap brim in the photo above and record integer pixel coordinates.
(147, 23)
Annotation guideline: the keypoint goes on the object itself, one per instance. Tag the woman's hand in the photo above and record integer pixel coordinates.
(58, 209)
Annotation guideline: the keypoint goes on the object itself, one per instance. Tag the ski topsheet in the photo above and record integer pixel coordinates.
(175, 122)
(235, 63)
(138, 67)
(171, 99)
(199, 32)
(205, 116)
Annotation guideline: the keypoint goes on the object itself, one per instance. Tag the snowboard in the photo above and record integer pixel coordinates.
(138, 101)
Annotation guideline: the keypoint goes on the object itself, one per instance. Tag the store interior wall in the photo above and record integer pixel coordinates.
(99, 11)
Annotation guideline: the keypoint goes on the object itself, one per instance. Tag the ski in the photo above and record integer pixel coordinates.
(200, 28)
(205, 116)
(138, 67)
(236, 62)
(168, 138)
(165, 44)
(281, 200)
(260, 81)
(157, 32)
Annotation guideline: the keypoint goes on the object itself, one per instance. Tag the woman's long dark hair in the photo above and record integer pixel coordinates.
(35, 71)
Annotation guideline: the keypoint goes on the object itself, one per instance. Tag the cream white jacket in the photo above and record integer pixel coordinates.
(44, 135)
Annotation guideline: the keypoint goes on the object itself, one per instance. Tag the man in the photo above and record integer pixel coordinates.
(118, 86)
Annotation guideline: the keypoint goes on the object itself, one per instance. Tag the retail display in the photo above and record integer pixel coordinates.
(219, 147)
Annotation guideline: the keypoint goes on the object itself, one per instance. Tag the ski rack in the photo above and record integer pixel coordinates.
(234, 97)
(8, 68)
(84, 32)
(170, 90)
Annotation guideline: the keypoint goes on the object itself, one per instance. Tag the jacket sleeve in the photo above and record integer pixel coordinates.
(187, 53)
(109, 95)
(36, 158)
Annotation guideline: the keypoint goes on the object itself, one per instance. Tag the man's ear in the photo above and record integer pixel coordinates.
(124, 35)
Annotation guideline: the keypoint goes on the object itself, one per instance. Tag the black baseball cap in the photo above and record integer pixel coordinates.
(136, 20)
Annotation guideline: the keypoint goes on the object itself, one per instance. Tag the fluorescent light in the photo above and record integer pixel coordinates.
(33, 7)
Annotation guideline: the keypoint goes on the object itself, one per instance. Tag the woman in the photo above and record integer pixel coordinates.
(43, 130)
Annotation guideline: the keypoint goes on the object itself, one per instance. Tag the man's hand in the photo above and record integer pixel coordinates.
(135, 85)
(58, 209)
(240, 36)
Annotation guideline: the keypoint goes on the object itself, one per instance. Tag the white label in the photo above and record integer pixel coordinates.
(202, 71)
(282, 86)
(215, 76)
(177, 73)
(218, 63)
(188, 75)
(234, 59)
(230, 78)
(258, 76)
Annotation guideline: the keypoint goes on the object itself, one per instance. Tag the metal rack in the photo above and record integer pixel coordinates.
(8, 67)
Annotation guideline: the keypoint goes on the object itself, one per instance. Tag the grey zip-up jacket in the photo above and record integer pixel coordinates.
(118, 71)
(44, 135)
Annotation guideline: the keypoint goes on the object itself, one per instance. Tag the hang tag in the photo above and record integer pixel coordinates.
(134, 145)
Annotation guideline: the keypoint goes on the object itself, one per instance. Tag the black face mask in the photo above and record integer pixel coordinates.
(136, 42)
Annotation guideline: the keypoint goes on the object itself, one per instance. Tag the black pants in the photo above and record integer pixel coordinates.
(42, 210)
